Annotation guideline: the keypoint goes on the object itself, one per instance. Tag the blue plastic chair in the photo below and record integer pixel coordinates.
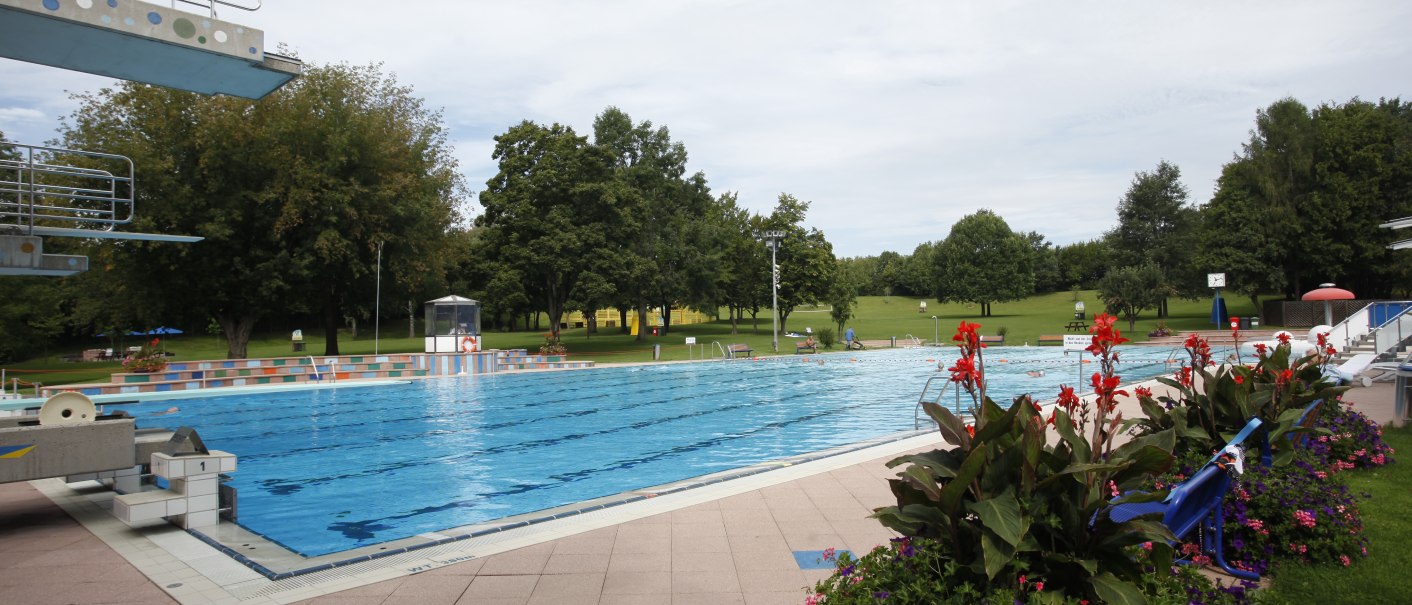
(1195, 504)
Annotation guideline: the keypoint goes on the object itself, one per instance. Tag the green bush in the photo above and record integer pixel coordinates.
(916, 570)
(827, 337)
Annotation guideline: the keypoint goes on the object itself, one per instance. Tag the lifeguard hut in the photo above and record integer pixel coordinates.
(453, 325)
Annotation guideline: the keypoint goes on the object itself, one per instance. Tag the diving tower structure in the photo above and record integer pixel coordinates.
(146, 42)
(54, 192)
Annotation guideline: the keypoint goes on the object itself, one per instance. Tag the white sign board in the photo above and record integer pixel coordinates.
(1077, 342)
(691, 340)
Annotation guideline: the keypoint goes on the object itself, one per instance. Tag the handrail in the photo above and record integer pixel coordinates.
(916, 342)
(917, 411)
(717, 346)
(211, 4)
(36, 191)
(1392, 333)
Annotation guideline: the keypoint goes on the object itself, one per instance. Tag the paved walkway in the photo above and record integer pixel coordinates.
(735, 549)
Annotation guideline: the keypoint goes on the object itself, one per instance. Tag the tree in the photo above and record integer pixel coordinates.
(1046, 264)
(982, 261)
(805, 258)
(1082, 264)
(666, 235)
(917, 274)
(547, 208)
(1128, 291)
(1157, 227)
(744, 275)
(843, 296)
(292, 194)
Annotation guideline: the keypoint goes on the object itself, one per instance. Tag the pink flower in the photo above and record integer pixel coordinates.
(814, 599)
(1038, 586)
(1022, 580)
(829, 554)
(1147, 546)
(1304, 518)
(1113, 489)
(1344, 559)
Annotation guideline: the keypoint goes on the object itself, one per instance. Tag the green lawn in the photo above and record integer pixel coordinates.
(877, 318)
(1381, 577)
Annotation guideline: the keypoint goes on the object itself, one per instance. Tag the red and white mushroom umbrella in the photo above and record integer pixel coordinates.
(1326, 293)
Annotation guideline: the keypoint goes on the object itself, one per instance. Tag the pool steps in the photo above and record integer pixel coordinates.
(192, 375)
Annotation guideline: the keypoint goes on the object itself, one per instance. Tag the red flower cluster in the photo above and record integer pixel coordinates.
(1106, 387)
(967, 336)
(968, 371)
(1200, 351)
(965, 372)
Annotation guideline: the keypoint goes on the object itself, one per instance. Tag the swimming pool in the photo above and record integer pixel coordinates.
(327, 470)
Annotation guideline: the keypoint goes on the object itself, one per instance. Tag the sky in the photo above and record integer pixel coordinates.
(892, 118)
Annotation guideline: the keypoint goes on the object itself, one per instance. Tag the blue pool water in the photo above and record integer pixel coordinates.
(322, 471)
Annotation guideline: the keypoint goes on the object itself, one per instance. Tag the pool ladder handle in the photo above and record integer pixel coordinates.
(716, 346)
(917, 411)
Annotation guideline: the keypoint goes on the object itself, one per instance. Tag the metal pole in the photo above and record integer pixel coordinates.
(377, 305)
(936, 332)
(775, 293)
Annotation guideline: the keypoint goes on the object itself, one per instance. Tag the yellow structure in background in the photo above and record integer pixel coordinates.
(608, 318)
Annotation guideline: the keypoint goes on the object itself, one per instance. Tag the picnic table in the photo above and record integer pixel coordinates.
(1077, 326)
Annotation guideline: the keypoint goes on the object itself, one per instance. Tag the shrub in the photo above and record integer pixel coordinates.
(914, 570)
(146, 359)
(1006, 501)
(827, 337)
(1353, 441)
(553, 346)
(1296, 512)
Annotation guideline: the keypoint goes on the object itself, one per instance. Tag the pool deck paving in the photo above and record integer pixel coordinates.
(734, 542)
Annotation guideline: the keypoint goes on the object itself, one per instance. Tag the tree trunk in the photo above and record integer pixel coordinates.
(331, 324)
(666, 318)
(411, 319)
(237, 331)
(642, 326)
(623, 320)
(733, 312)
(590, 323)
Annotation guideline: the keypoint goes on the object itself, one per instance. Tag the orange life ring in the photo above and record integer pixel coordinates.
(468, 344)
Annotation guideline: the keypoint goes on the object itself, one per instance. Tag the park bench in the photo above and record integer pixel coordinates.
(737, 349)
(1050, 339)
(1195, 505)
(993, 340)
(1076, 326)
(800, 347)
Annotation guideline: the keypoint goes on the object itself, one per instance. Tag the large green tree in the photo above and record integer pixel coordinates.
(292, 193)
(666, 241)
(1157, 226)
(1302, 202)
(548, 208)
(1128, 291)
(805, 257)
(982, 261)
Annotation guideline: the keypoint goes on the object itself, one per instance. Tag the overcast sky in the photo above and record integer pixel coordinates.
(893, 118)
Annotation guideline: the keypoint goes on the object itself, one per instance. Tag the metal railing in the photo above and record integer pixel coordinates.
(56, 187)
(939, 393)
(1389, 336)
(210, 5)
(716, 345)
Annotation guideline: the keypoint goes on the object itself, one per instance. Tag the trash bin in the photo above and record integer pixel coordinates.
(1235, 323)
(656, 349)
(654, 330)
(1255, 322)
(1245, 323)
(894, 342)
(1403, 394)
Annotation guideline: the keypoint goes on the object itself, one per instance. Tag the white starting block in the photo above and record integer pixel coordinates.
(125, 481)
(193, 499)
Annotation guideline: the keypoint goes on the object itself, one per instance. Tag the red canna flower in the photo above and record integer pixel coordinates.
(971, 430)
(1283, 337)
(966, 335)
(1142, 391)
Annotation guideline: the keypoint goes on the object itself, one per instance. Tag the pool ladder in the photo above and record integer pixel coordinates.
(940, 391)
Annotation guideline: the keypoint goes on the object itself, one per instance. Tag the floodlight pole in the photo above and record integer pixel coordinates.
(377, 304)
(936, 332)
(772, 239)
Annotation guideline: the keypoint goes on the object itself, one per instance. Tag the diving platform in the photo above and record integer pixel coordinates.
(145, 42)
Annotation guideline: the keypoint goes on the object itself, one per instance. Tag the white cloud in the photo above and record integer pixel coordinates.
(894, 118)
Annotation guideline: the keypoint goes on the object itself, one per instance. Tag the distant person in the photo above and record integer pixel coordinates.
(1035, 373)
(170, 410)
(808, 342)
(848, 336)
